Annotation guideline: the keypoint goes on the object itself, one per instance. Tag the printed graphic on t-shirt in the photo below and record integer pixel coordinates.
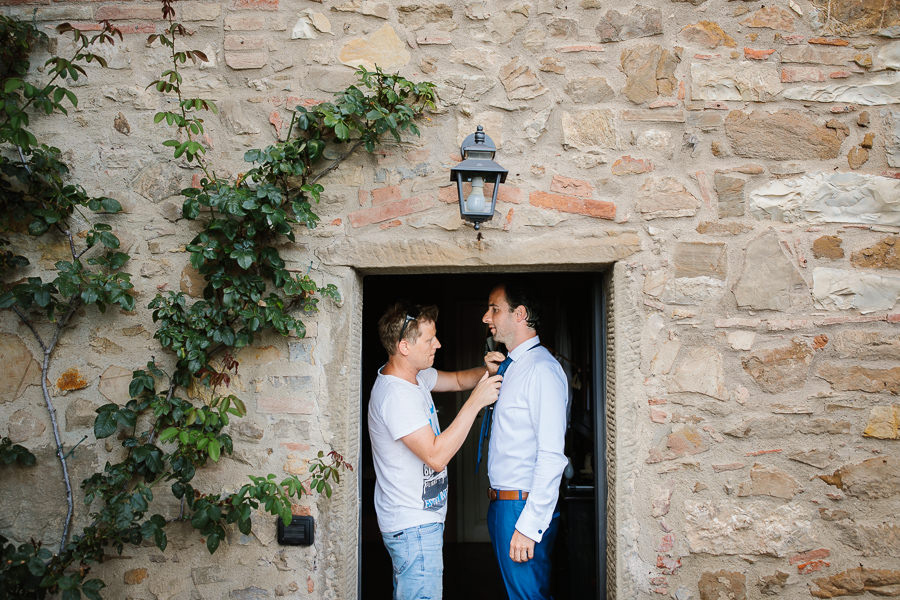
(434, 489)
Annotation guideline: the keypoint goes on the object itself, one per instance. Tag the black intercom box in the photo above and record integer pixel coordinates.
(300, 532)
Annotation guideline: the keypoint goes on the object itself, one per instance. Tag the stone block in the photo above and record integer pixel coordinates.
(590, 129)
(844, 289)
(382, 48)
(883, 255)
(873, 478)
(780, 368)
(858, 581)
(640, 21)
(766, 480)
(730, 190)
(256, 4)
(627, 165)
(80, 413)
(707, 34)
(722, 584)
(665, 197)
(589, 90)
(884, 423)
(135, 576)
(520, 82)
(829, 198)
(859, 17)
(114, 384)
(857, 378)
(867, 345)
(24, 426)
(771, 17)
(699, 259)
(244, 22)
(722, 527)
(700, 370)
(748, 81)
(783, 135)
(685, 440)
(815, 457)
(870, 538)
(768, 280)
(874, 91)
(240, 61)
(649, 71)
(828, 246)
(21, 370)
(571, 187)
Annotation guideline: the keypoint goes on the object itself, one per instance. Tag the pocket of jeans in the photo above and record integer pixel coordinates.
(398, 547)
(430, 528)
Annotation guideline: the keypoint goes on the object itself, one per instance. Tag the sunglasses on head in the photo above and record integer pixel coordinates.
(411, 315)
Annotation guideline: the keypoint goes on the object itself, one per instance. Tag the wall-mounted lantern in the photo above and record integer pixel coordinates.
(478, 167)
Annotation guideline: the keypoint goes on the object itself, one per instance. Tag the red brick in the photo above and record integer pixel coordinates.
(812, 566)
(363, 196)
(387, 211)
(391, 224)
(336, 221)
(572, 187)
(761, 452)
(112, 12)
(658, 416)
(299, 510)
(510, 194)
(256, 4)
(507, 193)
(707, 56)
(507, 223)
(839, 74)
(791, 40)
(295, 446)
(582, 48)
(828, 41)
(811, 555)
(754, 54)
(663, 104)
(241, 22)
(631, 166)
(238, 41)
(571, 204)
(390, 193)
(792, 74)
(667, 542)
(843, 108)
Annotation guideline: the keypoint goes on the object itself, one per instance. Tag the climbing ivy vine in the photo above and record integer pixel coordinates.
(168, 434)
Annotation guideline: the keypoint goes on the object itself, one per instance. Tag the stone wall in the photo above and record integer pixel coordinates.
(738, 161)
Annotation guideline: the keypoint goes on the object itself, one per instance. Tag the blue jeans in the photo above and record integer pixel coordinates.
(524, 581)
(416, 554)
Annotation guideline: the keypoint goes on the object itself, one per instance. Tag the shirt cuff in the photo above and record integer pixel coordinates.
(530, 527)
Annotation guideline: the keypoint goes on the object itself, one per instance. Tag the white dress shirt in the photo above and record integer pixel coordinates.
(528, 434)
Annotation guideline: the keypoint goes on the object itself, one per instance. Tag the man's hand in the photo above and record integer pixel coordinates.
(492, 361)
(487, 390)
(521, 548)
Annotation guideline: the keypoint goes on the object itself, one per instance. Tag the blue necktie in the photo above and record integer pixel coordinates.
(489, 417)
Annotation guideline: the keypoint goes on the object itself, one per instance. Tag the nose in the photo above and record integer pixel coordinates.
(485, 318)
(437, 344)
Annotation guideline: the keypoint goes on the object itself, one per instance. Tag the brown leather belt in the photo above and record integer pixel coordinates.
(506, 494)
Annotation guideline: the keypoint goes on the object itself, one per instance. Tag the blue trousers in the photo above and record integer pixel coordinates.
(416, 554)
(524, 581)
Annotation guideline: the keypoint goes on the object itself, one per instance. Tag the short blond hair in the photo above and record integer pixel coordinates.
(403, 318)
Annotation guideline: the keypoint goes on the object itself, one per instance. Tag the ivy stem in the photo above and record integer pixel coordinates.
(334, 165)
(45, 368)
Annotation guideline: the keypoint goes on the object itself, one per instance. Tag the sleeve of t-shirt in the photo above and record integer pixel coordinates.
(428, 378)
(403, 412)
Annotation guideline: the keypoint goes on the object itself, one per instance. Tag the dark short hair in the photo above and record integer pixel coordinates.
(520, 294)
(405, 318)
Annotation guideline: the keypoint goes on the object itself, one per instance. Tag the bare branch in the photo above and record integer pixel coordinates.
(334, 165)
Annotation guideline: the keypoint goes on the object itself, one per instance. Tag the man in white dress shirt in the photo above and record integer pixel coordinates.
(526, 452)
(409, 449)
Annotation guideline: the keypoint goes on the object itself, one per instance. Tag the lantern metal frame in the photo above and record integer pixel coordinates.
(477, 151)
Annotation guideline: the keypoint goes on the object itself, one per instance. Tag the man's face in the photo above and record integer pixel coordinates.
(499, 317)
(421, 352)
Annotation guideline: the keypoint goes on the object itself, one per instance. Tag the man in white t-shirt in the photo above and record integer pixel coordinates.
(410, 451)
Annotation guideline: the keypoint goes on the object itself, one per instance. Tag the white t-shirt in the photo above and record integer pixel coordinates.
(408, 492)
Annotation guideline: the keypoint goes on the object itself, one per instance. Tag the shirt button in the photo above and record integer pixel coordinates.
(541, 531)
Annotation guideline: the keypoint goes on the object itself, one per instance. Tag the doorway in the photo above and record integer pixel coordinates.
(573, 328)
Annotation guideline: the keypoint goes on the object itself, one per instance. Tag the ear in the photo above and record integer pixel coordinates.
(403, 348)
(520, 313)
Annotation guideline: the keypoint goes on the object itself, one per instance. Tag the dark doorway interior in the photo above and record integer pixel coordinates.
(572, 330)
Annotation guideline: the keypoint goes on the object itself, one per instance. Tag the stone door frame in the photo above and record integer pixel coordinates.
(623, 323)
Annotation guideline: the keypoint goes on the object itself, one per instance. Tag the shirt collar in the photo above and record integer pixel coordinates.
(517, 352)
